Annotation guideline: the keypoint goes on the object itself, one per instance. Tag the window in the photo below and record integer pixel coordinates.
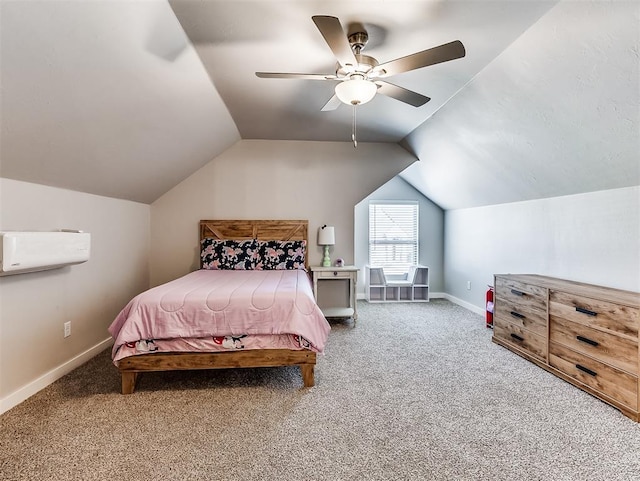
(393, 235)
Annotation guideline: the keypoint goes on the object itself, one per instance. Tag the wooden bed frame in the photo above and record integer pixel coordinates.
(131, 367)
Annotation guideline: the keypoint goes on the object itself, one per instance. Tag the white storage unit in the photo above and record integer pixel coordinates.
(415, 288)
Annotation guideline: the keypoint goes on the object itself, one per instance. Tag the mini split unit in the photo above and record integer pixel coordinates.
(22, 252)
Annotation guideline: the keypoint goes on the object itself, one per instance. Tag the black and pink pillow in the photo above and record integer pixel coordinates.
(228, 254)
(276, 255)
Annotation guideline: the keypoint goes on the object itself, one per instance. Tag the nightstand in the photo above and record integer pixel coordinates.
(343, 302)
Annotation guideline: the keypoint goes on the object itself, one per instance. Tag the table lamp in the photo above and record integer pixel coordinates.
(326, 238)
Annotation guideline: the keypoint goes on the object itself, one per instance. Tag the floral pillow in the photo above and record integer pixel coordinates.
(281, 255)
(228, 254)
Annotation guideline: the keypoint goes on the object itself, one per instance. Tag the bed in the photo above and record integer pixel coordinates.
(250, 304)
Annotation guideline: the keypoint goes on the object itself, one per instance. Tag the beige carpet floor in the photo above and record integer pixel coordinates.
(414, 392)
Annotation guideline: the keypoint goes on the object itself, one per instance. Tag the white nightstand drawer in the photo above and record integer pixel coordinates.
(335, 274)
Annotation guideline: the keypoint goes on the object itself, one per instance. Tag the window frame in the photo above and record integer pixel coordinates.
(397, 269)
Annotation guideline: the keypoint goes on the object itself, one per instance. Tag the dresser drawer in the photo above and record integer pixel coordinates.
(615, 350)
(523, 339)
(600, 314)
(525, 295)
(531, 319)
(612, 382)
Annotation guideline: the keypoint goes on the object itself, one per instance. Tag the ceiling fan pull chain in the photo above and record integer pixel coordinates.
(353, 129)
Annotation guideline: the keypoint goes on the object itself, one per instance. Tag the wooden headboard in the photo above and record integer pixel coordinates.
(284, 230)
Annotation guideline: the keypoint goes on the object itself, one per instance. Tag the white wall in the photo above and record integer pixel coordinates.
(266, 179)
(592, 238)
(34, 306)
(430, 223)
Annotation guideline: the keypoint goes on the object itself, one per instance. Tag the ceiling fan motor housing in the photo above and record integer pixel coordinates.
(357, 41)
(365, 66)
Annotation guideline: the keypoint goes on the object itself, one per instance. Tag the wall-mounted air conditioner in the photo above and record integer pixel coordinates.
(22, 252)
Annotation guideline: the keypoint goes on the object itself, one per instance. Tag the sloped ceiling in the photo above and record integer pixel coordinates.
(105, 97)
(126, 99)
(557, 113)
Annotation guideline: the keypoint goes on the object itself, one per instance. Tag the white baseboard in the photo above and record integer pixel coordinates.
(43, 381)
(465, 304)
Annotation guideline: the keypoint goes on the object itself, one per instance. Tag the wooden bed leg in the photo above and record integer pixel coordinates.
(129, 382)
(307, 374)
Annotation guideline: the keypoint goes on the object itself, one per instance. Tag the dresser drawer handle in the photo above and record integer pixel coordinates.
(587, 341)
(517, 314)
(335, 273)
(587, 370)
(586, 311)
(517, 293)
(517, 338)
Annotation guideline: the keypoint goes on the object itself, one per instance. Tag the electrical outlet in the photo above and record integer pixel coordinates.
(67, 329)
(468, 285)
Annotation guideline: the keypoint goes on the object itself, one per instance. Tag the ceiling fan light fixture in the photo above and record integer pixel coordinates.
(356, 91)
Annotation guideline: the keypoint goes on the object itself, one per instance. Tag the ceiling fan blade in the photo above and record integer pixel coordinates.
(403, 95)
(306, 76)
(335, 37)
(432, 56)
(333, 103)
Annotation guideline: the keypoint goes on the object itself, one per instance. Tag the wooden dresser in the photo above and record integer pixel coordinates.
(584, 334)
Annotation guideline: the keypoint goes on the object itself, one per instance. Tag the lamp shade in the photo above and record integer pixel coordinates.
(356, 91)
(326, 236)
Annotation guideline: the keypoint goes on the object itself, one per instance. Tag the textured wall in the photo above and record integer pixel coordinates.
(34, 306)
(267, 179)
(592, 238)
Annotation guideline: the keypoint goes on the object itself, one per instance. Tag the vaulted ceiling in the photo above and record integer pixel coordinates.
(126, 99)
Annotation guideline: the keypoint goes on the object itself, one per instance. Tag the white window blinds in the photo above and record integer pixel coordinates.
(393, 235)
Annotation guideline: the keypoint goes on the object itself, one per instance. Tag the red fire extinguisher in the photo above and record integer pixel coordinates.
(490, 307)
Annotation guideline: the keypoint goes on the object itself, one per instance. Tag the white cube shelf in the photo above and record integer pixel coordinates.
(414, 289)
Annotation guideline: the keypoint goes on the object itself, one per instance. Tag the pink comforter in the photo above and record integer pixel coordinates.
(208, 303)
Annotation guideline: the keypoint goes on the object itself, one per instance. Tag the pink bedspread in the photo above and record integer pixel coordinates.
(209, 303)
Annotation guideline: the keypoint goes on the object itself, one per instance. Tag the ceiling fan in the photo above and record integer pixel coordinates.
(360, 76)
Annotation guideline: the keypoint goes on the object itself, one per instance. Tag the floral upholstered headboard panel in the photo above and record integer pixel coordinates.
(253, 244)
